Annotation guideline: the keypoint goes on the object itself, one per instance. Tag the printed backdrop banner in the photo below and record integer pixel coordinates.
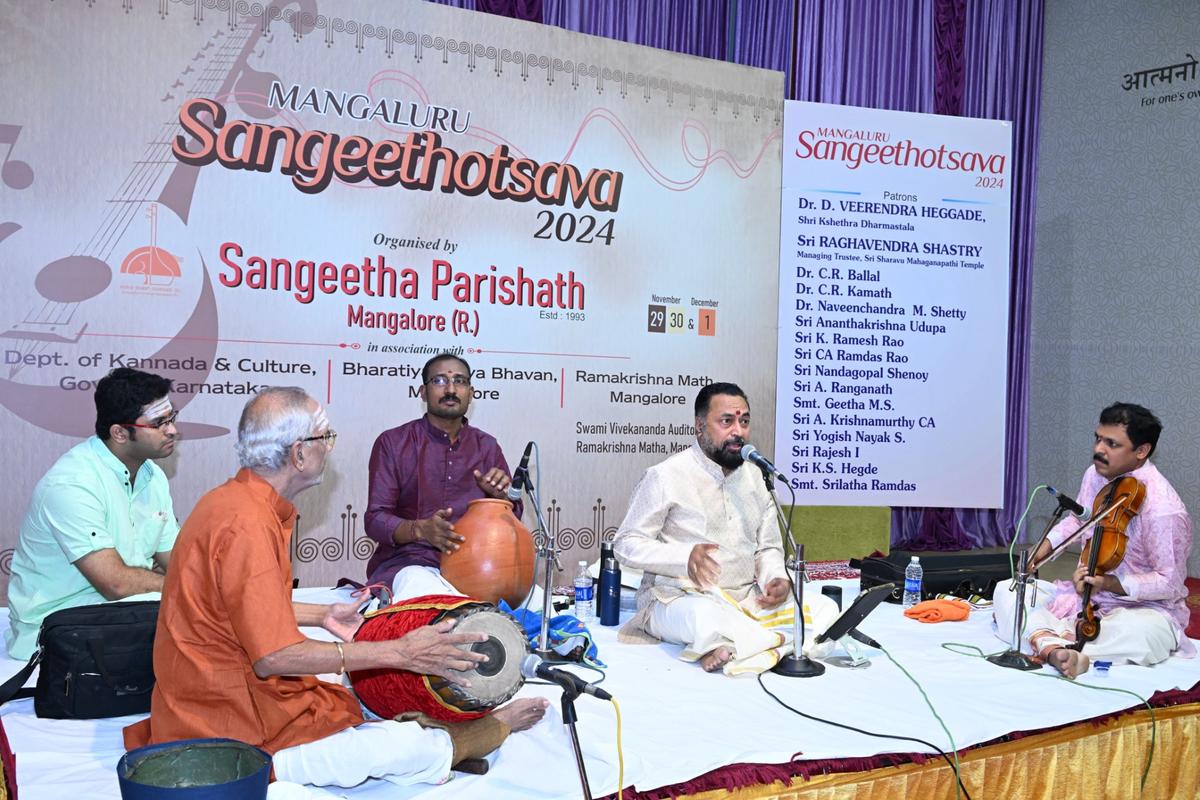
(893, 307)
(324, 195)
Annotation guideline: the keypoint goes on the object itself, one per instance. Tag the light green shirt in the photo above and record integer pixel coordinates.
(83, 504)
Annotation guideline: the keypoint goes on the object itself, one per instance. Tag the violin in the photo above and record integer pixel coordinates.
(1118, 502)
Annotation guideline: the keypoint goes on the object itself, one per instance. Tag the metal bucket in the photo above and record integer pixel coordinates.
(195, 769)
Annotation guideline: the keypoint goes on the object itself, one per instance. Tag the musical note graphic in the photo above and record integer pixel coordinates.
(15, 174)
(68, 282)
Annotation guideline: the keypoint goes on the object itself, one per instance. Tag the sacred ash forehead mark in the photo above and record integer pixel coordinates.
(158, 409)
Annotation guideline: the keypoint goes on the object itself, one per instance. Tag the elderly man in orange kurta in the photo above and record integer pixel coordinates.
(229, 655)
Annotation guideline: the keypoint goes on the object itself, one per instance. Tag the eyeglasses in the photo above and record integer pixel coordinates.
(446, 380)
(328, 437)
(157, 425)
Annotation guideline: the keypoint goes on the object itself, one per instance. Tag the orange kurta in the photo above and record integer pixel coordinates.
(227, 602)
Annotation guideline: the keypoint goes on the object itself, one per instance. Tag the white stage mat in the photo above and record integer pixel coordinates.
(679, 722)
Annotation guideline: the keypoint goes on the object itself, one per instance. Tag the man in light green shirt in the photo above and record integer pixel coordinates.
(100, 524)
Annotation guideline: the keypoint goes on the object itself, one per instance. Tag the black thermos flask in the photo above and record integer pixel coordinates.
(610, 586)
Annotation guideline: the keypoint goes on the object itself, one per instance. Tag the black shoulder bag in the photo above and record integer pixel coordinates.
(96, 661)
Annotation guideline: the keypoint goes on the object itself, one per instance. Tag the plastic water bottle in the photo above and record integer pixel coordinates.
(584, 590)
(913, 574)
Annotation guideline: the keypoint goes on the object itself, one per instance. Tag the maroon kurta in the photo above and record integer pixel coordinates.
(414, 471)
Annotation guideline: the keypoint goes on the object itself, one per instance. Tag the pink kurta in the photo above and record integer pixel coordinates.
(1156, 555)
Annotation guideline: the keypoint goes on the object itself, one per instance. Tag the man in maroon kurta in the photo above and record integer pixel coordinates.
(423, 474)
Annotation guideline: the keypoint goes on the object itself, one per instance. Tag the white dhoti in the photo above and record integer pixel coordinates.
(400, 752)
(1127, 635)
(417, 581)
(1004, 603)
(757, 638)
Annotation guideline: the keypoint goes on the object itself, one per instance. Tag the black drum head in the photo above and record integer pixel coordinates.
(493, 648)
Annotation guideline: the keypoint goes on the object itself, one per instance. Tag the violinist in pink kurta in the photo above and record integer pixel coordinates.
(1142, 602)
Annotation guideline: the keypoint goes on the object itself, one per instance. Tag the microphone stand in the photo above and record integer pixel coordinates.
(569, 718)
(795, 664)
(1013, 658)
(546, 552)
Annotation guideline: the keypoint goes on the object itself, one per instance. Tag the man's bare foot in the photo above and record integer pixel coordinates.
(716, 659)
(1070, 663)
(522, 714)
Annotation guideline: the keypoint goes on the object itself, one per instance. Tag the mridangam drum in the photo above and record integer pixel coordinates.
(388, 692)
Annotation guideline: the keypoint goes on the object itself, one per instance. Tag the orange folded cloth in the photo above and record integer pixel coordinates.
(939, 611)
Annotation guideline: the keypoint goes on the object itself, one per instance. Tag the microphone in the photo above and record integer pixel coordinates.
(1068, 503)
(859, 636)
(520, 476)
(534, 667)
(750, 453)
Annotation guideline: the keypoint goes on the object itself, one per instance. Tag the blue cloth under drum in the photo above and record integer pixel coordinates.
(566, 632)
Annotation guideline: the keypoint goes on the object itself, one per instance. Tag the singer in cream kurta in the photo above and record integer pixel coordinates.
(688, 500)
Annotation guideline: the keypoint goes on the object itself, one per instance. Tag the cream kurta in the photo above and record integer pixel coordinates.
(688, 500)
